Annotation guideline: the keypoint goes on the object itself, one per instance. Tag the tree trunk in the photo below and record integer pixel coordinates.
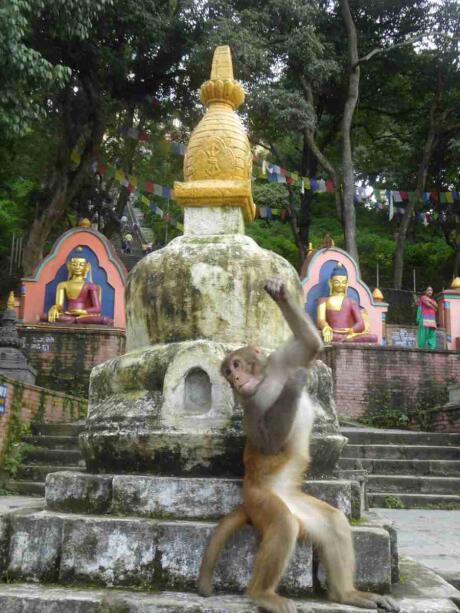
(401, 236)
(63, 183)
(349, 214)
(457, 261)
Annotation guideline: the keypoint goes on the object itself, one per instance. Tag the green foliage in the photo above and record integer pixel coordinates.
(275, 236)
(27, 75)
(393, 502)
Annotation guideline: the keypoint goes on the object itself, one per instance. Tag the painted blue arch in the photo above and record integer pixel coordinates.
(322, 289)
(99, 276)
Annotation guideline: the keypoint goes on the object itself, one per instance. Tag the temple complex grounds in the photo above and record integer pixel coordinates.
(122, 435)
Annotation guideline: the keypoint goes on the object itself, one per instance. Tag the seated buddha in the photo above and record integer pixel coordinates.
(77, 301)
(339, 317)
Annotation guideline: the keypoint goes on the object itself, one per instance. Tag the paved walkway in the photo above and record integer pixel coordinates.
(430, 537)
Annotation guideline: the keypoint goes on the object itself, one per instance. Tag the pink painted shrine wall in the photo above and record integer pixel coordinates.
(315, 279)
(33, 288)
(449, 316)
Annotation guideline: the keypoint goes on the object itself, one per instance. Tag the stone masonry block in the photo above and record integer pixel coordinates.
(373, 519)
(166, 497)
(181, 546)
(108, 551)
(34, 546)
(336, 493)
(163, 555)
(373, 559)
(175, 497)
(202, 498)
(78, 492)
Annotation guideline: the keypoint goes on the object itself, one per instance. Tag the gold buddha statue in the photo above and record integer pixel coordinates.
(340, 318)
(77, 300)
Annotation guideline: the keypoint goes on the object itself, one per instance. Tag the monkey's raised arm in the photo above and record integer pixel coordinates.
(306, 344)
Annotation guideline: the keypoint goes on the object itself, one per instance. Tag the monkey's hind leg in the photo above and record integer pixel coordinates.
(329, 529)
(224, 530)
(279, 530)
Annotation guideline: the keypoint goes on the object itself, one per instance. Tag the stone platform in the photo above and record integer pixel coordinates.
(146, 532)
(134, 543)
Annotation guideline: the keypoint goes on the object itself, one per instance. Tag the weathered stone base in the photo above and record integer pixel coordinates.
(170, 497)
(422, 592)
(166, 409)
(200, 454)
(153, 554)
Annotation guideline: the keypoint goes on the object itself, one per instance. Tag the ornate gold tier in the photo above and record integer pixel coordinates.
(218, 162)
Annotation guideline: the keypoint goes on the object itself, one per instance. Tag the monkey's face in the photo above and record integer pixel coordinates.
(244, 369)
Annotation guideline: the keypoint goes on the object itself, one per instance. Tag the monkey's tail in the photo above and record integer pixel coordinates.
(224, 530)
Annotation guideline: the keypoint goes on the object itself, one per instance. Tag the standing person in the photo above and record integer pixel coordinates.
(128, 241)
(426, 320)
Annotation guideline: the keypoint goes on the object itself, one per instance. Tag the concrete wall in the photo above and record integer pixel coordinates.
(23, 404)
(371, 379)
(63, 356)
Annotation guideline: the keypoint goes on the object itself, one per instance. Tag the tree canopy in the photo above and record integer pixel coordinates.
(358, 92)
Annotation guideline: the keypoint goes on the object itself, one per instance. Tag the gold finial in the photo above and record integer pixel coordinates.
(84, 223)
(222, 65)
(455, 283)
(310, 248)
(10, 304)
(218, 162)
(222, 87)
(377, 295)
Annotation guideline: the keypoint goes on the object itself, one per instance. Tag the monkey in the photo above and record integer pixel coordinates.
(277, 421)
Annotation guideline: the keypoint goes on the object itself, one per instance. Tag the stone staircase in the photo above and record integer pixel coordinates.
(406, 469)
(133, 543)
(54, 448)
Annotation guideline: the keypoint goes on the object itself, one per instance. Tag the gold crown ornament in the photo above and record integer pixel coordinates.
(218, 161)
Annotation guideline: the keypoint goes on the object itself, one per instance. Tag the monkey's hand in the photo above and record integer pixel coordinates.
(276, 289)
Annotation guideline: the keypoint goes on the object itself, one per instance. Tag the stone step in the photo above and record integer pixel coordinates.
(402, 467)
(135, 552)
(401, 452)
(59, 457)
(413, 501)
(27, 598)
(421, 592)
(58, 429)
(397, 437)
(171, 497)
(26, 488)
(52, 442)
(413, 485)
(38, 472)
(131, 259)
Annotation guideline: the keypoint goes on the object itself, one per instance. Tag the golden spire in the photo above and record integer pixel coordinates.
(455, 283)
(218, 162)
(377, 295)
(10, 303)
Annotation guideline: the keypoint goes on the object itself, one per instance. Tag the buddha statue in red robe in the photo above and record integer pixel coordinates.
(77, 301)
(340, 318)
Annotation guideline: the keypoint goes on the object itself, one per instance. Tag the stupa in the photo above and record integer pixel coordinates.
(13, 362)
(163, 439)
(164, 407)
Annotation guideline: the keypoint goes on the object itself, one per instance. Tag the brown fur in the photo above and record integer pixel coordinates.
(278, 421)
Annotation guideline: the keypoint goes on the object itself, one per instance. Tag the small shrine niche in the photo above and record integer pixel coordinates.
(362, 311)
(81, 273)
